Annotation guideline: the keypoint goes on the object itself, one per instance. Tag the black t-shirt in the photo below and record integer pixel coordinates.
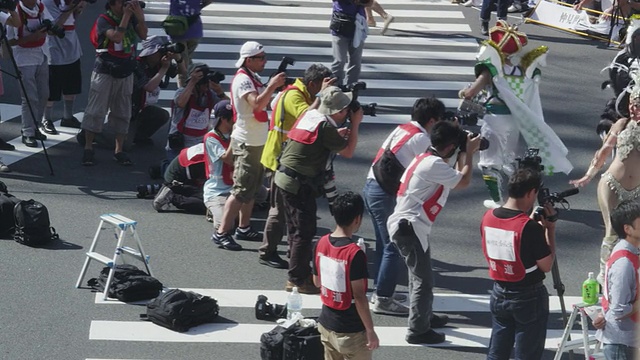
(533, 246)
(344, 321)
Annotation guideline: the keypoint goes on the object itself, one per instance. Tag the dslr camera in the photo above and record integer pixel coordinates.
(141, 3)
(268, 311)
(174, 48)
(284, 63)
(210, 75)
(368, 109)
(52, 28)
(533, 161)
(462, 137)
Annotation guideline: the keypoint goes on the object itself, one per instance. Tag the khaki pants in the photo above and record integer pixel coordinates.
(348, 346)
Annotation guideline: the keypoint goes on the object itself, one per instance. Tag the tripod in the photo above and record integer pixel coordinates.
(559, 286)
(18, 76)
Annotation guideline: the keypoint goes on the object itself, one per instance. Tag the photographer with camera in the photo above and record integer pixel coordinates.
(519, 248)
(115, 35)
(288, 106)
(28, 44)
(349, 31)
(423, 192)
(512, 108)
(249, 99)
(401, 146)
(300, 176)
(191, 110)
(65, 72)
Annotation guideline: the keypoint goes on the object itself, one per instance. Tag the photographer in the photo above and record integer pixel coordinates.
(8, 16)
(115, 38)
(300, 177)
(405, 143)
(65, 72)
(519, 251)
(288, 106)
(28, 44)
(191, 110)
(349, 31)
(155, 67)
(423, 192)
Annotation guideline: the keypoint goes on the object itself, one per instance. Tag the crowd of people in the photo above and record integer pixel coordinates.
(225, 154)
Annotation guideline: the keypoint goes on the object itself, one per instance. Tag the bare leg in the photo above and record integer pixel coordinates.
(607, 200)
(119, 142)
(245, 214)
(231, 209)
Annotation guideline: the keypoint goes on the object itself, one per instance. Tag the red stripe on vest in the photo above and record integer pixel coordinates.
(260, 115)
(504, 270)
(24, 16)
(227, 169)
(430, 206)
(193, 104)
(342, 255)
(410, 130)
(615, 256)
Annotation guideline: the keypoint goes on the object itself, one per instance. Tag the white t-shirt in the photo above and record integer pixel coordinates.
(28, 56)
(66, 50)
(417, 144)
(430, 173)
(247, 129)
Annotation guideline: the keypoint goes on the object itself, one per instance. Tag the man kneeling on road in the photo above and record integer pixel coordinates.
(423, 192)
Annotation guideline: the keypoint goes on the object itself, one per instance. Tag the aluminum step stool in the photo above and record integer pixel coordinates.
(120, 225)
(585, 342)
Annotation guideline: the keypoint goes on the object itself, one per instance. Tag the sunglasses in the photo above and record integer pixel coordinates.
(259, 57)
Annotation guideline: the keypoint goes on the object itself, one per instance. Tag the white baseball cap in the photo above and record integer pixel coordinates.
(249, 49)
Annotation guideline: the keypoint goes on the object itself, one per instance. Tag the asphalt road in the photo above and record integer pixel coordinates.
(44, 317)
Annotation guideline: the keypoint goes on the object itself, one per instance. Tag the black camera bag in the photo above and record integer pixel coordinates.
(293, 343)
(33, 227)
(180, 310)
(388, 171)
(129, 283)
(343, 24)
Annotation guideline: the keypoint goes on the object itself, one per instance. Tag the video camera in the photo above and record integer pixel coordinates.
(462, 137)
(354, 88)
(52, 28)
(174, 48)
(533, 161)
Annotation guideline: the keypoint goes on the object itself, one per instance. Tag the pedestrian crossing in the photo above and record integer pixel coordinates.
(474, 334)
(427, 50)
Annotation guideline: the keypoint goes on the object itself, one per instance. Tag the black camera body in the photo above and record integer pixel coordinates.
(462, 137)
(174, 48)
(284, 63)
(354, 88)
(52, 28)
(264, 310)
(141, 3)
(210, 75)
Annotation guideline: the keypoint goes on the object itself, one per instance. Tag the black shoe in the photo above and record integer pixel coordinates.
(6, 146)
(430, 337)
(225, 241)
(72, 123)
(40, 136)
(439, 321)
(248, 234)
(273, 260)
(47, 127)
(29, 141)
(484, 28)
(87, 158)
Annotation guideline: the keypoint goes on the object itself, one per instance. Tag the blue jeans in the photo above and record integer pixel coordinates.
(485, 11)
(388, 260)
(618, 352)
(518, 316)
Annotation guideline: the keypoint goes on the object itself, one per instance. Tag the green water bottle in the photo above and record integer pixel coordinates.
(590, 290)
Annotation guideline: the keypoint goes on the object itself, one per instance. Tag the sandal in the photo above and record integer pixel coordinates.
(87, 157)
(122, 158)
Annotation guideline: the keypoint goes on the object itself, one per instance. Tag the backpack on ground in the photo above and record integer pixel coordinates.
(7, 217)
(129, 283)
(32, 225)
(293, 343)
(180, 310)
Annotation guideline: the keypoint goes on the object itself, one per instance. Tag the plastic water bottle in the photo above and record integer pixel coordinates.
(362, 245)
(294, 303)
(590, 290)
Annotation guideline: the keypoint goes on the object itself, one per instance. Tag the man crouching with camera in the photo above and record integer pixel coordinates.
(191, 109)
(300, 177)
(519, 249)
(424, 189)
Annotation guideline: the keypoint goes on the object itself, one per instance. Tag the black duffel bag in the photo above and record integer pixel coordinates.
(180, 310)
(295, 343)
(129, 283)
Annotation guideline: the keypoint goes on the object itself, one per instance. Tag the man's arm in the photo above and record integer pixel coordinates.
(155, 81)
(183, 99)
(622, 291)
(464, 162)
(481, 82)
(117, 35)
(546, 263)
(359, 290)
(352, 140)
(141, 26)
(260, 101)
(13, 19)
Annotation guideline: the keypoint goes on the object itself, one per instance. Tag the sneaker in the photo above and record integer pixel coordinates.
(273, 260)
(371, 23)
(484, 28)
(396, 296)
(490, 204)
(430, 337)
(47, 127)
(439, 321)
(87, 157)
(515, 7)
(29, 141)
(388, 306)
(225, 241)
(6, 146)
(4, 168)
(162, 201)
(40, 136)
(248, 234)
(72, 122)
(307, 287)
(387, 21)
(123, 159)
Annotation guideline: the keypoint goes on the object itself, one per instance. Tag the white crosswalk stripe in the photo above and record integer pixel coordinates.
(425, 53)
(469, 336)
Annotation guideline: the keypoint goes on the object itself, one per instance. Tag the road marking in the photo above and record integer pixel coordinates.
(319, 24)
(9, 111)
(250, 334)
